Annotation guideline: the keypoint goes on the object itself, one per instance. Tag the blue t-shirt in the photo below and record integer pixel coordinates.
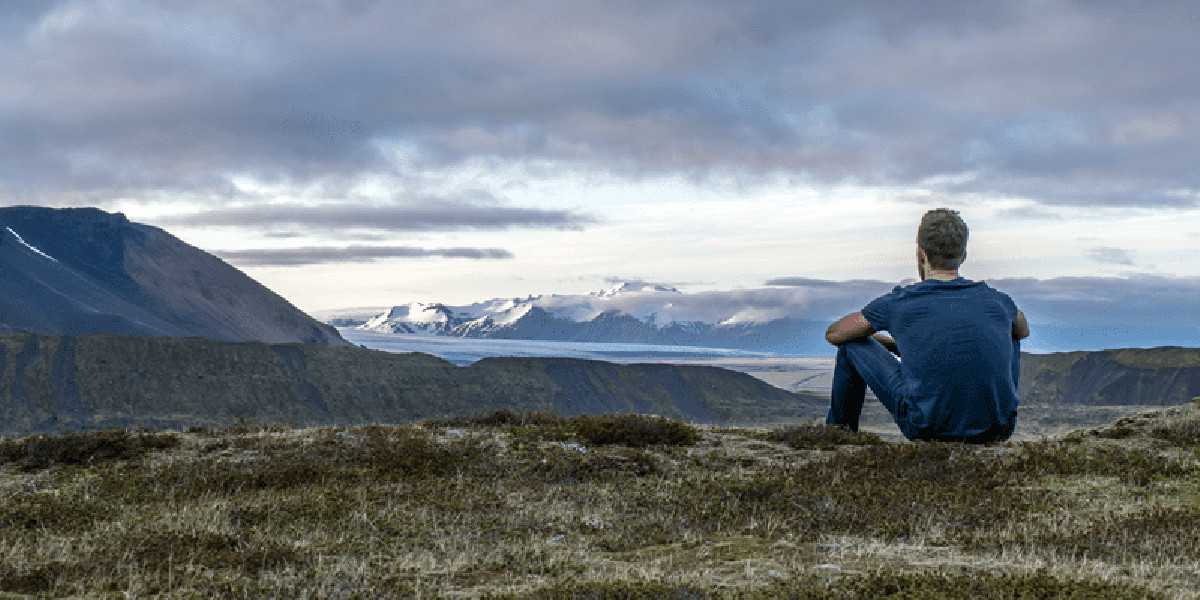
(957, 355)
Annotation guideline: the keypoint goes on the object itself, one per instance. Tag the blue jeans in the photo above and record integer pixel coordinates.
(864, 363)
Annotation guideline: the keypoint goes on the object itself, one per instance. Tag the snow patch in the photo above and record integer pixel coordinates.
(750, 316)
(30, 246)
(512, 315)
(634, 287)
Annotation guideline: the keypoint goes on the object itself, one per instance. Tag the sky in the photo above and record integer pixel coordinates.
(359, 153)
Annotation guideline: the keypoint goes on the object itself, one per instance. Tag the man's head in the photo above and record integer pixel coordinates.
(942, 238)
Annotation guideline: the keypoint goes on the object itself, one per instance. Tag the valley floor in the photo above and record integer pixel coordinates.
(621, 507)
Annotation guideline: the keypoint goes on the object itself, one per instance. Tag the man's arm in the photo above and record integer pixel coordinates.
(1020, 327)
(888, 342)
(850, 327)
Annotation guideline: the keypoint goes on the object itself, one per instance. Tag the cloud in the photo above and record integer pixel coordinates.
(140, 99)
(817, 299)
(621, 280)
(427, 214)
(1111, 255)
(808, 282)
(1067, 313)
(1138, 300)
(1030, 212)
(312, 255)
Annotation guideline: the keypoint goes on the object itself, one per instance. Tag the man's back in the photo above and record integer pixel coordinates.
(959, 363)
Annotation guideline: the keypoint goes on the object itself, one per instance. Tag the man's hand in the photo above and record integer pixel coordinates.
(1020, 327)
(850, 327)
(887, 342)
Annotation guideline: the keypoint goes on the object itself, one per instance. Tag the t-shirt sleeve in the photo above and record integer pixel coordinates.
(1009, 305)
(879, 311)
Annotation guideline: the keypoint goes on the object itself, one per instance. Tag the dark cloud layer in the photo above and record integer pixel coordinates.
(312, 255)
(808, 282)
(430, 215)
(1111, 255)
(1060, 102)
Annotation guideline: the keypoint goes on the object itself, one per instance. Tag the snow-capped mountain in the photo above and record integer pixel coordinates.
(789, 315)
(629, 312)
(430, 319)
(634, 287)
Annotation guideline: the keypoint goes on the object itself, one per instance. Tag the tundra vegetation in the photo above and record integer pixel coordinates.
(536, 505)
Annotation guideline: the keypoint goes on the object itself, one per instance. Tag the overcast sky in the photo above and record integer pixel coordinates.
(372, 153)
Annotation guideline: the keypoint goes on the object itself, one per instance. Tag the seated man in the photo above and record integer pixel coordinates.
(960, 343)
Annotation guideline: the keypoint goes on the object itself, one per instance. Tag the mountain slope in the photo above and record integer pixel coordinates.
(1149, 376)
(81, 271)
(65, 383)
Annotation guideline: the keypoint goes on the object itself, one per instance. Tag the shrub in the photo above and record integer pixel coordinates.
(500, 418)
(822, 437)
(1121, 430)
(964, 586)
(409, 452)
(152, 549)
(30, 581)
(1172, 531)
(239, 428)
(633, 430)
(886, 584)
(41, 452)
(615, 590)
(343, 457)
(889, 491)
(637, 431)
(49, 511)
(1184, 432)
(1129, 464)
(570, 466)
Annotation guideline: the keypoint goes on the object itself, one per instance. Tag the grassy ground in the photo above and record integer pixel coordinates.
(1035, 421)
(621, 507)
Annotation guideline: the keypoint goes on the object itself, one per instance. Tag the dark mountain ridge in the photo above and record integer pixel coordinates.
(80, 271)
(50, 383)
(1163, 376)
(53, 383)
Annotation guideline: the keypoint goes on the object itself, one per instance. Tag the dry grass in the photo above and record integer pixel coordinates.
(819, 437)
(510, 505)
(633, 430)
(40, 452)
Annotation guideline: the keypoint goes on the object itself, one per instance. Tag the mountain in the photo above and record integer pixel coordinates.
(789, 314)
(630, 312)
(1144, 376)
(81, 270)
(50, 383)
(429, 319)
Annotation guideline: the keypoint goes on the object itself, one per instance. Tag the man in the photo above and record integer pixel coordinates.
(959, 341)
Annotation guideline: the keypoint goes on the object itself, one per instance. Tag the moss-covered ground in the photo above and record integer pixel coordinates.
(511, 505)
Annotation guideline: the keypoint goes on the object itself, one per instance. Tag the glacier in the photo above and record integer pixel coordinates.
(627, 313)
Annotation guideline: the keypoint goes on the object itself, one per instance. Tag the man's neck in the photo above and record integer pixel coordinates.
(942, 275)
